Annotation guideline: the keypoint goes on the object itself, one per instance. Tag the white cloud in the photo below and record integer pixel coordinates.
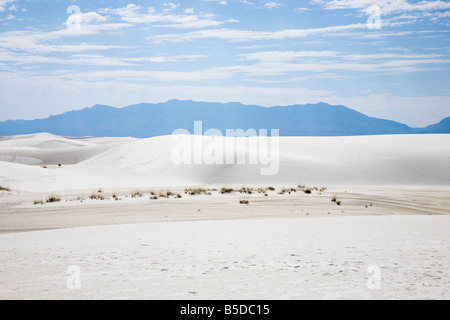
(286, 55)
(35, 41)
(85, 19)
(379, 56)
(4, 4)
(93, 59)
(260, 71)
(387, 6)
(132, 13)
(242, 35)
(272, 5)
(221, 2)
(170, 7)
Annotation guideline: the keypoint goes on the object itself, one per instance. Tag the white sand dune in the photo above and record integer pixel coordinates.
(321, 258)
(201, 247)
(398, 160)
(46, 148)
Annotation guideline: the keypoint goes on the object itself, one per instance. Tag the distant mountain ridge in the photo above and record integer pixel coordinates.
(149, 120)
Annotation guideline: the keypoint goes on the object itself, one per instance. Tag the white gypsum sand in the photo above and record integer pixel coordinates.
(399, 160)
(392, 213)
(322, 258)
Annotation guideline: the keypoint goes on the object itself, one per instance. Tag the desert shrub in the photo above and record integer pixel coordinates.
(338, 203)
(225, 190)
(53, 199)
(262, 190)
(136, 194)
(100, 190)
(98, 196)
(286, 190)
(169, 193)
(307, 191)
(115, 197)
(246, 190)
(44, 167)
(195, 191)
(163, 195)
(38, 202)
(153, 197)
(59, 164)
(271, 188)
(334, 199)
(246, 202)
(5, 189)
(179, 196)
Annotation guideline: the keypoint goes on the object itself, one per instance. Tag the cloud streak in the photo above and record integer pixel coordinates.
(241, 35)
(132, 13)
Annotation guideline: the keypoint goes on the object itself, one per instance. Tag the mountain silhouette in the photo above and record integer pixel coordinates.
(149, 120)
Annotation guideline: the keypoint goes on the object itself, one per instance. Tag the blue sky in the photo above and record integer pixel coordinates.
(256, 52)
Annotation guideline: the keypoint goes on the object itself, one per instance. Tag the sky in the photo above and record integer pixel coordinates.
(386, 58)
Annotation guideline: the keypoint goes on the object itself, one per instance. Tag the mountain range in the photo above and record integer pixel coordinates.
(149, 120)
